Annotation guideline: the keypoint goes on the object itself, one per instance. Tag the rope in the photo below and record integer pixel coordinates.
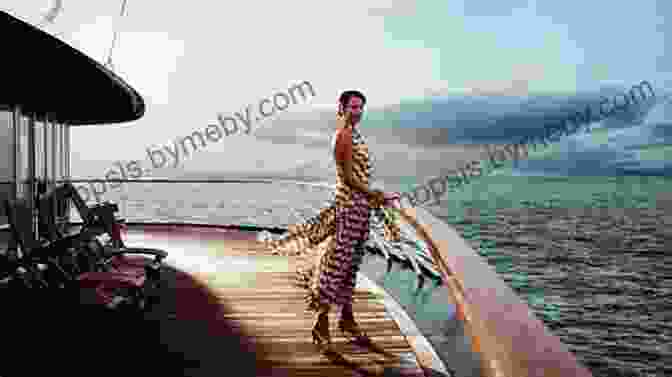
(115, 37)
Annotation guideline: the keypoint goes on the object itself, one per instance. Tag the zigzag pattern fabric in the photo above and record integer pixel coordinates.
(331, 244)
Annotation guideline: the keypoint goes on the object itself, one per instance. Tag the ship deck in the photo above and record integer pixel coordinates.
(262, 302)
(226, 304)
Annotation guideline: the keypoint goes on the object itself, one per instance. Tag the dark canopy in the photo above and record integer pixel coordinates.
(44, 75)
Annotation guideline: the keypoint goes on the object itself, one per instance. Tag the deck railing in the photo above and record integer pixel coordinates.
(250, 201)
(512, 342)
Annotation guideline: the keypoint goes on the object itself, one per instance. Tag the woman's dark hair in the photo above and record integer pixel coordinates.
(345, 97)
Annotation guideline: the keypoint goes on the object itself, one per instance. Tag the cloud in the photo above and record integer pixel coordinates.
(518, 85)
(388, 8)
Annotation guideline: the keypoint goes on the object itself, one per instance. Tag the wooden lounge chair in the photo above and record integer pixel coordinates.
(122, 284)
(35, 254)
(99, 219)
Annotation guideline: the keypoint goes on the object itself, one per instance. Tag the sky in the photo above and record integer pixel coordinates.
(194, 60)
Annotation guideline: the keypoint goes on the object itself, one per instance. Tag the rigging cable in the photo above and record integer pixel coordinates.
(115, 36)
(50, 15)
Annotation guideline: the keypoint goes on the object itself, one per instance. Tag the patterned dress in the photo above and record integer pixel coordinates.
(331, 244)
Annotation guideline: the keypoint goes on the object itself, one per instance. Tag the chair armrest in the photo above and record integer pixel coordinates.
(136, 250)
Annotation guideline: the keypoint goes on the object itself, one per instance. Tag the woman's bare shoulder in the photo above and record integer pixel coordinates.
(343, 132)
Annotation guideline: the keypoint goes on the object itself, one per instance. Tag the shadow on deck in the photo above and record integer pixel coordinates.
(193, 331)
(184, 335)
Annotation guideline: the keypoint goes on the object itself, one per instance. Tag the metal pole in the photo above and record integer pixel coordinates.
(45, 151)
(16, 159)
(30, 181)
(54, 145)
(66, 164)
(66, 140)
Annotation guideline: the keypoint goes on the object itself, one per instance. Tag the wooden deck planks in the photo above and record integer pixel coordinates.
(265, 304)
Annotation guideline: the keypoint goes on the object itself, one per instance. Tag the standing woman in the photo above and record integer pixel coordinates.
(332, 242)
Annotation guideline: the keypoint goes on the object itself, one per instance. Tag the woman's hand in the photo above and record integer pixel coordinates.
(377, 198)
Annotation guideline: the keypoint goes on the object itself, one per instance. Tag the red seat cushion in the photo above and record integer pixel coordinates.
(137, 261)
(115, 279)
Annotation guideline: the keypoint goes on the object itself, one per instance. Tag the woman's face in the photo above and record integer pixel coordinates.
(354, 109)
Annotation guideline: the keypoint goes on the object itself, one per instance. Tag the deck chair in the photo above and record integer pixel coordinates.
(36, 256)
(99, 219)
(16, 272)
(48, 231)
(110, 288)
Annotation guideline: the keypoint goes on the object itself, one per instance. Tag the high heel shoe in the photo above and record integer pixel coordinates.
(324, 343)
(319, 339)
(320, 332)
(351, 330)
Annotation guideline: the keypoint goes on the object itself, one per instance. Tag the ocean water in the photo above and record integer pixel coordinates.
(589, 254)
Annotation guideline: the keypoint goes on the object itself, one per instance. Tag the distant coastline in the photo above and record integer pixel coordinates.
(273, 176)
